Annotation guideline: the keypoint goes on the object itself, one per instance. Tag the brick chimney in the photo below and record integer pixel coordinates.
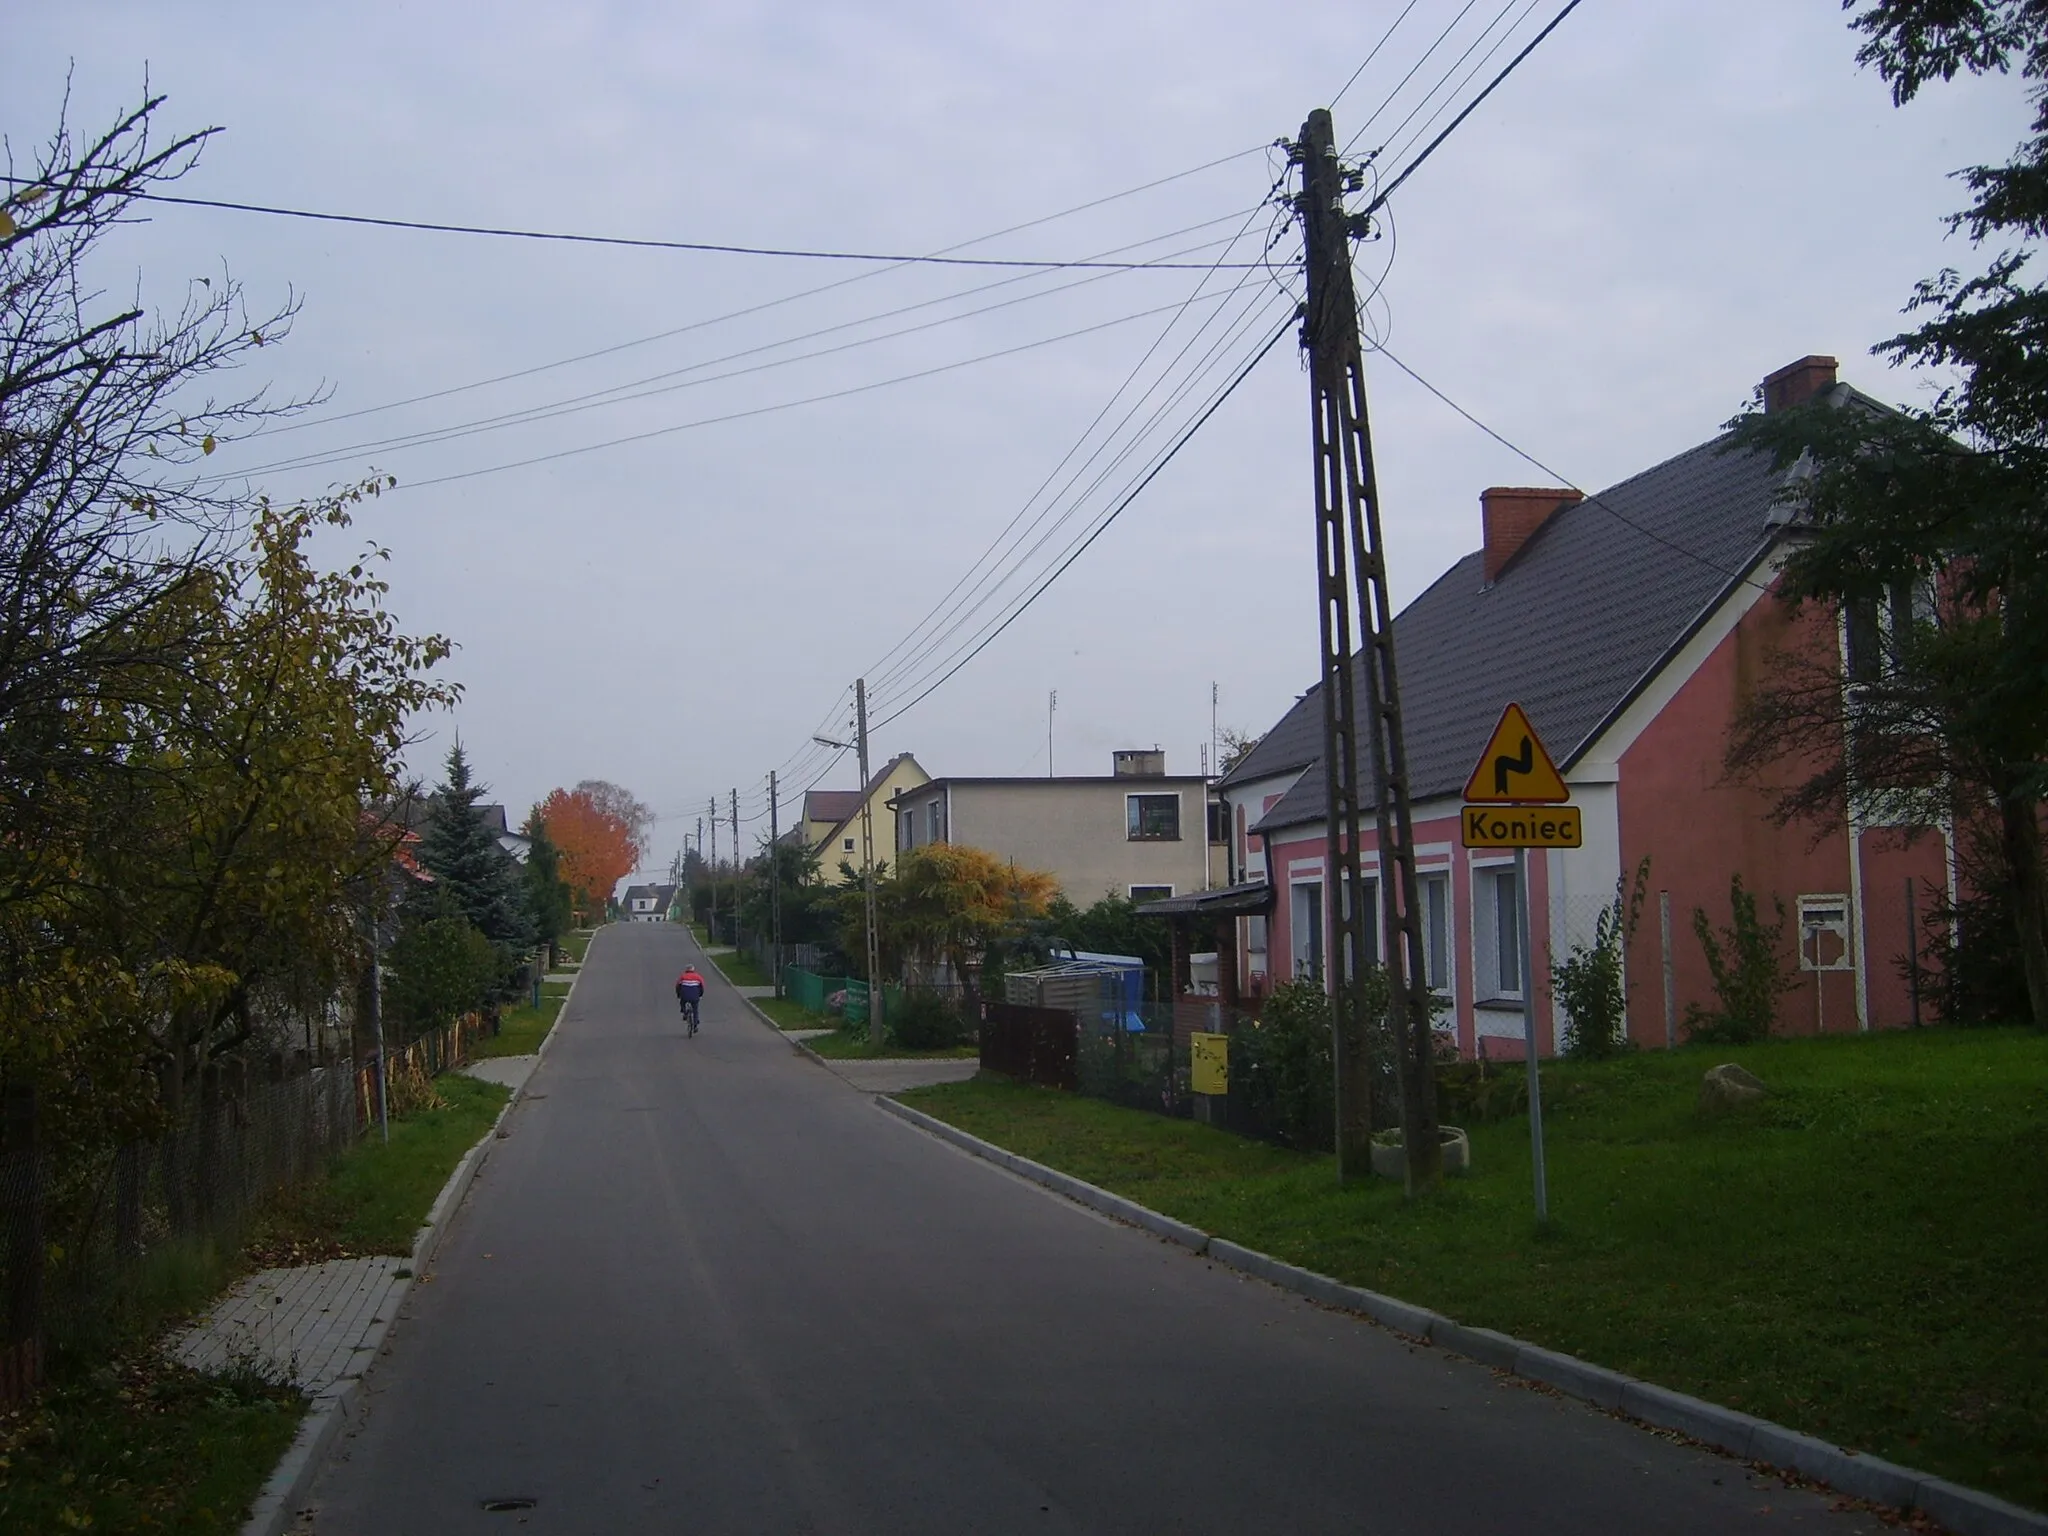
(1509, 514)
(1797, 383)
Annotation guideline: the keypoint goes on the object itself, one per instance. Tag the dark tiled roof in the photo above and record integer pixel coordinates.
(833, 805)
(1575, 623)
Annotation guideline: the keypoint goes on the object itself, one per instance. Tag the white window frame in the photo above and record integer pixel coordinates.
(1487, 955)
(1309, 947)
(935, 821)
(1439, 930)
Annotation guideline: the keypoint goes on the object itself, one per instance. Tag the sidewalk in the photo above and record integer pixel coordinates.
(313, 1326)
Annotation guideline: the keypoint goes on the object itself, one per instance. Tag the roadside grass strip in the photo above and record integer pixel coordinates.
(1861, 1256)
(790, 1014)
(138, 1444)
(842, 1046)
(521, 1029)
(378, 1195)
(741, 970)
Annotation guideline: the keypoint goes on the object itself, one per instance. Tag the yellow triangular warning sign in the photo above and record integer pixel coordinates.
(1514, 768)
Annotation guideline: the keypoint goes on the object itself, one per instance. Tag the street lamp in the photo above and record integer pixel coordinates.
(867, 856)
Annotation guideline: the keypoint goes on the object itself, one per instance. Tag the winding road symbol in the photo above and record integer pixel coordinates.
(1514, 769)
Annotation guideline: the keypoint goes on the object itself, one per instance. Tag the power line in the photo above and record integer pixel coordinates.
(1132, 495)
(1020, 558)
(1565, 480)
(940, 610)
(704, 247)
(768, 304)
(1451, 99)
(785, 405)
(1186, 387)
(1493, 84)
(1453, 67)
(1376, 47)
(654, 384)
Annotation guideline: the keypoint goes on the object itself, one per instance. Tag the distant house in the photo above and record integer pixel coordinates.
(647, 903)
(832, 817)
(1137, 832)
(517, 844)
(1629, 625)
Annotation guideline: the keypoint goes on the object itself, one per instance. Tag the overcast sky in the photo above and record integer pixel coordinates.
(1667, 201)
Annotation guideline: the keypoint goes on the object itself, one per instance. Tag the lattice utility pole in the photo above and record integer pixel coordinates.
(775, 878)
(1352, 585)
(711, 806)
(867, 865)
(735, 864)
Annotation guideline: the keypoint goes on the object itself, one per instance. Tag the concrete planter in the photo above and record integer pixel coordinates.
(1390, 1159)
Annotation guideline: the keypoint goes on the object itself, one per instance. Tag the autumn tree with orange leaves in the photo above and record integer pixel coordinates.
(598, 845)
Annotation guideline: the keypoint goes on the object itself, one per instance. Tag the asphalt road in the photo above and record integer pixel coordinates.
(706, 1286)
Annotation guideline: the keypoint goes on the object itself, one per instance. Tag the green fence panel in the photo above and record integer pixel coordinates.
(804, 988)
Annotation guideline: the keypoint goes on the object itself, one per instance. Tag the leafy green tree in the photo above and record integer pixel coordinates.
(463, 855)
(1928, 526)
(439, 968)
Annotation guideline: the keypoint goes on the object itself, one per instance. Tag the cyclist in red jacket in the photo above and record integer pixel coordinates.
(689, 993)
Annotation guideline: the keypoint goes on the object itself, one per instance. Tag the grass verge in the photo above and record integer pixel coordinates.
(1861, 1256)
(138, 1445)
(379, 1193)
(521, 1029)
(741, 971)
(790, 1014)
(842, 1046)
(576, 945)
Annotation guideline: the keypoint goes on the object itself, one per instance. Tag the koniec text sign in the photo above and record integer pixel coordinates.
(1209, 1063)
(1521, 826)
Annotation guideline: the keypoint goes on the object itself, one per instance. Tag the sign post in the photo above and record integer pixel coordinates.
(1521, 804)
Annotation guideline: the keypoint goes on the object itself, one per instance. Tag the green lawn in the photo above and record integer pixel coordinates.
(577, 944)
(843, 1046)
(521, 1029)
(137, 1445)
(790, 1014)
(379, 1193)
(1863, 1256)
(741, 970)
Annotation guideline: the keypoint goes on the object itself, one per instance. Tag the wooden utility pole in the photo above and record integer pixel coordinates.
(867, 864)
(1352, 584)
(735, 865)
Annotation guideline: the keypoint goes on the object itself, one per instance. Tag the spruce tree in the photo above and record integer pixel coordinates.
(476, 876)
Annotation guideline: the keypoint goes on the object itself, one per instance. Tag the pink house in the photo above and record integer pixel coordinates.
(1628, 625)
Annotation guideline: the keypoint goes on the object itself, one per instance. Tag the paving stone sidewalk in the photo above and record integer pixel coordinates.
(314, 1325)
(508, 1071)
(895, 1076)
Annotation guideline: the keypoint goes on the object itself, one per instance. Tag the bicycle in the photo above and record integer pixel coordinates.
(690, 1006)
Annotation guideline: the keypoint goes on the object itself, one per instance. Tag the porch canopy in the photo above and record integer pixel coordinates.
(1253, 899)
(1192, 1010)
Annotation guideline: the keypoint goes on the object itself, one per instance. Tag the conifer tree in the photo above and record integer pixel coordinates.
(477, 879)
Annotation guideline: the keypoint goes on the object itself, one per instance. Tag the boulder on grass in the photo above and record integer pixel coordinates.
(1729, 1087)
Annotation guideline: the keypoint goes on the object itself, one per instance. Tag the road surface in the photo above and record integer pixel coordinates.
(706, 1286)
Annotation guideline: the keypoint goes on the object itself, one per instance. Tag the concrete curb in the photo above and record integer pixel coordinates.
(277, 1505)
(1963, 1511)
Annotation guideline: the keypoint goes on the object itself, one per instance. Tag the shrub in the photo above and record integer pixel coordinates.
(1750, 969)
(924, 1021)
(1284, 1062)
(1590, 981)
(437, 970)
